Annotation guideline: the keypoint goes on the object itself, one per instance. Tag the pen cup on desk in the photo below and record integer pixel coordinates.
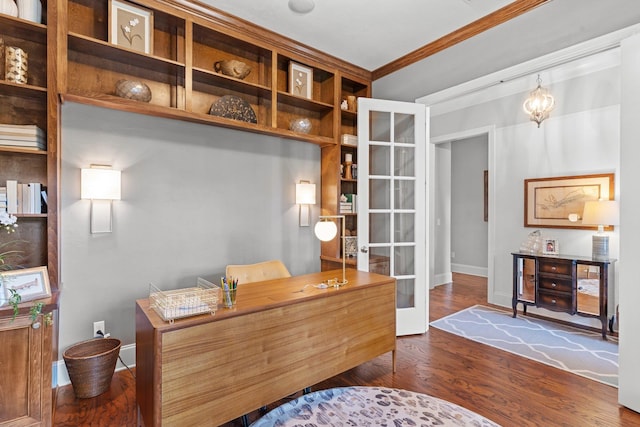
(229, 297)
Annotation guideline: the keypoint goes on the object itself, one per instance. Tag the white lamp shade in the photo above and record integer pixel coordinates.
(305, 194)
(100, 184)
(601, 212)
(326, 230)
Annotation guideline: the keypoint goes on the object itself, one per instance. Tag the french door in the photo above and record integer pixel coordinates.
(392, 208)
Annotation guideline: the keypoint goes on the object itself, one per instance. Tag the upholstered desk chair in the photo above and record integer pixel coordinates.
(248, 273)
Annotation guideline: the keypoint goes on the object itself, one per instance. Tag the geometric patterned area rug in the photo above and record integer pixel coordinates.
(574, 350)
(370, 406)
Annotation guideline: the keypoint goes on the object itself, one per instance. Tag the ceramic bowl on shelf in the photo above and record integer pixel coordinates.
(131, 89)
(300, 125)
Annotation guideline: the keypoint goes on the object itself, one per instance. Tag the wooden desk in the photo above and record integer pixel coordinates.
(208, 370)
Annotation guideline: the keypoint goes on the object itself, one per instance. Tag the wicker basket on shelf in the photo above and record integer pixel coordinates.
(91, 364)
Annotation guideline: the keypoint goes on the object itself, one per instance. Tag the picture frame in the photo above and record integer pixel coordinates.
(550, 246)
(300, 80)
(130, 26)
(30, 283)
(548, 202)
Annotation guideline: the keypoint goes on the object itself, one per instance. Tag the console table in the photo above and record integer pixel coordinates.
(281, 337)
(564, 283)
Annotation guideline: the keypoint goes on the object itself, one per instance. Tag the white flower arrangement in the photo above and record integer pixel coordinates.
(8, 222)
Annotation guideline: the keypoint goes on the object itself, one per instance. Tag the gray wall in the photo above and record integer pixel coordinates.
(194, 199)
(469, 241)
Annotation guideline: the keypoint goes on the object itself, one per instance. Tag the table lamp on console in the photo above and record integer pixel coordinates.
(602, 213)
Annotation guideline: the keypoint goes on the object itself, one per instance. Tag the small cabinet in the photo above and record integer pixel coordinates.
(568, 284)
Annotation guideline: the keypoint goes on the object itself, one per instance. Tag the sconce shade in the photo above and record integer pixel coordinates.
(305, 194)
(601, 213)
(539, 104)
(326, 230)
(100, 184)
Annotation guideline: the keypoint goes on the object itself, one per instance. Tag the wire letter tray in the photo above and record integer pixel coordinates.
(175, 304)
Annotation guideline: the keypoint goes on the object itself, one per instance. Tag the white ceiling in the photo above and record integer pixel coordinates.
(368, 33)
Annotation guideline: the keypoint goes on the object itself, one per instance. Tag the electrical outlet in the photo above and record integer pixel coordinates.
(98, 326)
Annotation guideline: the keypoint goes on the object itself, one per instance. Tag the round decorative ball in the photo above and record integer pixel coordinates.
(300, 125)
(131, 89)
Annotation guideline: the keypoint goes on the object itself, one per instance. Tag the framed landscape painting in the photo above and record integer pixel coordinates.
(548, 202)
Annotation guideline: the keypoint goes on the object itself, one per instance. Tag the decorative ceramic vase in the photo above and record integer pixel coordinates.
(300, 125)
(15, 65)
(31, 10)
(135, 90)
(8, 7)
(233, 68)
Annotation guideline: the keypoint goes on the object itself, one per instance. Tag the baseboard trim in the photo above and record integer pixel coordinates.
(442, 279)
(470, 269)
(61, 376)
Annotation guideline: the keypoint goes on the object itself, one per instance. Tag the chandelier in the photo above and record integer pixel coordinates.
(538, 104)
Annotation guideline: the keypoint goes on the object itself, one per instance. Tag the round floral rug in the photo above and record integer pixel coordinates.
(370, 406)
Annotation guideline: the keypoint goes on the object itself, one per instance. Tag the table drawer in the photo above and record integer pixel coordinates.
(555, 266)
(560, 285)
(554, 301)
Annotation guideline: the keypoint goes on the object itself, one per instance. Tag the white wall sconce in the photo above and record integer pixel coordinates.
(101, 185)
(601, 213)
(305, 197)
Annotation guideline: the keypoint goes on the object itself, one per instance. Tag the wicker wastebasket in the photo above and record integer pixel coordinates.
(91, 364)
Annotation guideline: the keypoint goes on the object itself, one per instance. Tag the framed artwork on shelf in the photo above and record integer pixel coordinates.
(300, 80)
(550, 202)
(130, 26)
(550, 247)
(29, 283)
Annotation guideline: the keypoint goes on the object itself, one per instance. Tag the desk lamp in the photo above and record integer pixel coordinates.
(326, 230)
(601, 213)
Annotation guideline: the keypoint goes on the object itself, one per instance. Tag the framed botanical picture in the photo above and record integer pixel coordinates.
(130, 26)
(550, 246)
(30, 283)
(300, 80)
(550, 202)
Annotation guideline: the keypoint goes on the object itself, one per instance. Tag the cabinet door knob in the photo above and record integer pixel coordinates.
(553, 285)
(554, 268)
(553, 301)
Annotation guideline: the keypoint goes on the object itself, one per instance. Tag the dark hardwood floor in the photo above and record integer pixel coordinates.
(508, 389)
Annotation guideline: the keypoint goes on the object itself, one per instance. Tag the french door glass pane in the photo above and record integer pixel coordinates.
(379, 194)
(379, 226)
(405, 294)
(380, 125)
(404, 228)
(404, 194)
(403, 128)
(404, 161)
(403, 257)
(379, 160)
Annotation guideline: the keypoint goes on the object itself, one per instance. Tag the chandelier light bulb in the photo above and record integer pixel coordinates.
(539, 104)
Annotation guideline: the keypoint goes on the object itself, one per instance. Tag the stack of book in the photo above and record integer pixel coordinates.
(349, 139)
(22, 136)
(348, 203)
(18, 198)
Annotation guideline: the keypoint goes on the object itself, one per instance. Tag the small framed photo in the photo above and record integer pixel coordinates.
(550, 247)
(30, 283)
(300, 80)
(130, 26)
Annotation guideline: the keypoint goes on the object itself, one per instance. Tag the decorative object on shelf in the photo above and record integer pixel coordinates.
(1, 56)
(305, 197)
(548, 202)
(352, 102)
(351, 246)
(233, 68)
(16, 65)
(130, 26)
(326, 230)
(233, 107)
(300, 125)
(348, 161)
(135, 90)
(539, 104)
(29, 283)
(533, 244)
(9, 7)
(300, 80)
(344, 105)
(30, 10)
(601, 213)
(550, 246)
